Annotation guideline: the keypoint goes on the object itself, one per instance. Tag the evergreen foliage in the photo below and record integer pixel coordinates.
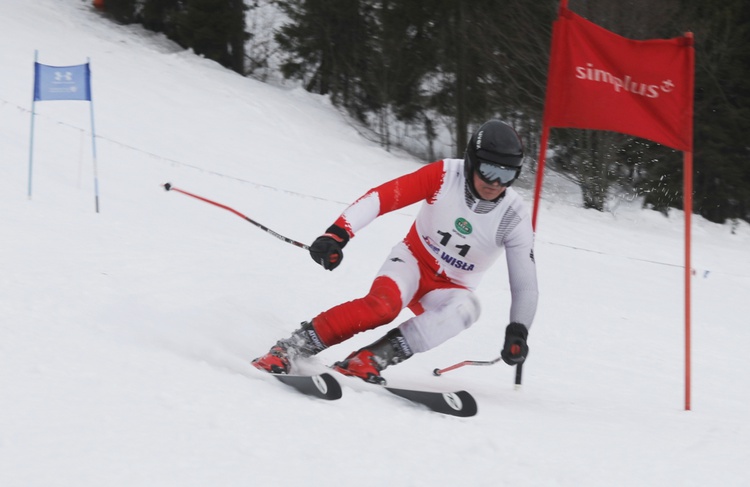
(123, 11)
(213, 28)
(721, 117)
(428, 64)
(412, 60)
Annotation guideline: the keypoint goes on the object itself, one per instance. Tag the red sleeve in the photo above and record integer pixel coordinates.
(422, 184)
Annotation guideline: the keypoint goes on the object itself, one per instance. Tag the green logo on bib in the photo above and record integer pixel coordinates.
(463, 226)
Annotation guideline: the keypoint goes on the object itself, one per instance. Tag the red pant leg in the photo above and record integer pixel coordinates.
(379, 307)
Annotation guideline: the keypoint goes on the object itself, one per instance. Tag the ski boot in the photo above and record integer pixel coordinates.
(304, 342)
(367, 363)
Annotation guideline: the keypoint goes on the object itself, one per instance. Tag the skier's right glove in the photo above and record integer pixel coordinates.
(515, 348)
(326, 250)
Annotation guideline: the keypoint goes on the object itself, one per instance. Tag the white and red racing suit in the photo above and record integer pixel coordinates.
(434, 271)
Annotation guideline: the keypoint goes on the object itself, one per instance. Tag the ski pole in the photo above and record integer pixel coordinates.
(169, 187)
(519, 371)
(519, 368)
(465, 362)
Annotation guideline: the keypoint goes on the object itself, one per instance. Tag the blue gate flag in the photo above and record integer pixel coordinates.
(62, 82)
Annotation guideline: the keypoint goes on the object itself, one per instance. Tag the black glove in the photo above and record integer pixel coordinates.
(515, 348)
(326, 250)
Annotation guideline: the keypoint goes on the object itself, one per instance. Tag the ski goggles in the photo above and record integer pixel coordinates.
(492, 173)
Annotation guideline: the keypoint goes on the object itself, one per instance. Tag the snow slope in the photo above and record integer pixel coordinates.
(126, 335)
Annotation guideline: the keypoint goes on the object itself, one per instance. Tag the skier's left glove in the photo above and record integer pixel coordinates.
(515, 348)
(326, 250)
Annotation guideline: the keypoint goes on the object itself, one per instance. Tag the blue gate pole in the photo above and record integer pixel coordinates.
(93, 139)
(33, 114)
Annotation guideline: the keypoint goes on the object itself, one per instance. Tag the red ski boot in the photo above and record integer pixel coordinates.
(304, 342)
(362, 364)
(275, 361)
(368, 362)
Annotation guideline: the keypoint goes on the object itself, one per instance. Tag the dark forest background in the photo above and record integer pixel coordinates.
(422, 67)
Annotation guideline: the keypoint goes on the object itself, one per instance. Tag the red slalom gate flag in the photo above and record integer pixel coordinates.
(599, 80)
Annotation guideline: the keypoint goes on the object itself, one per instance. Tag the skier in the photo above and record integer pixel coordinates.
(469, 216)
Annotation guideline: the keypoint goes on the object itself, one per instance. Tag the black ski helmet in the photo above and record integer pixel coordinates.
(494, 153)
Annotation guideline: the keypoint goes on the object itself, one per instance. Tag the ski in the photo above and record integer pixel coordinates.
(455, 403)
(322, 386)
(325, 386)
(459, 403)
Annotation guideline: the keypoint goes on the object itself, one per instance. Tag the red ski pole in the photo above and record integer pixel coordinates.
(519, 368)
(169, 187)
(464, 363)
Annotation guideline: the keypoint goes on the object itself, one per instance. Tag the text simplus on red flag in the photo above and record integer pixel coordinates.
(602, 81)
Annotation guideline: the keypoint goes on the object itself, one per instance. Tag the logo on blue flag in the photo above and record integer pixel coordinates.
(62, 82)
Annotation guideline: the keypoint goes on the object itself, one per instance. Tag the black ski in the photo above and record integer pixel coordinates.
(459, 403)
(323, 386)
